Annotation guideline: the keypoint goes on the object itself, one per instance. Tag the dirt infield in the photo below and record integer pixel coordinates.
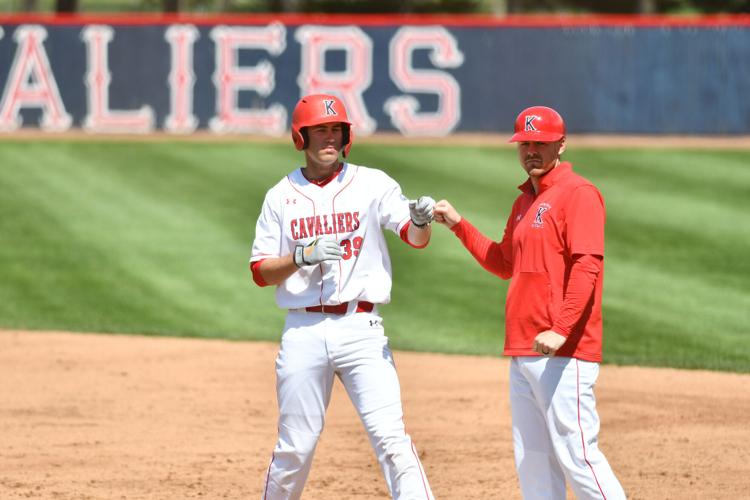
(87, 416)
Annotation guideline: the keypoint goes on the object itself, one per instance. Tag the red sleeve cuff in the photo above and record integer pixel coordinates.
(404, 234)
(257, 277)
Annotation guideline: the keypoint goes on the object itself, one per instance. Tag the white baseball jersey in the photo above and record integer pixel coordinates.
(354, 207)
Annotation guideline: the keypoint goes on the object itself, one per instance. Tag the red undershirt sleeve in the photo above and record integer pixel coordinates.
(257, 276)
(493, 256)
(581, 284)
(404, 235)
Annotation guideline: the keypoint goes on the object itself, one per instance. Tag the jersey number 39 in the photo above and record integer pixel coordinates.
(351, 247)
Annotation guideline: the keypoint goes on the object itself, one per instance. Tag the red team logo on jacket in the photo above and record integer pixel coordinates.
(538, 221)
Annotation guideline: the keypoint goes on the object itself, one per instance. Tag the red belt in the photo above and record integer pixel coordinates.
(362, 306)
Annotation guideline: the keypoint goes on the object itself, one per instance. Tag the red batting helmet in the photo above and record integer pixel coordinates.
(317, 109)
(538, 124)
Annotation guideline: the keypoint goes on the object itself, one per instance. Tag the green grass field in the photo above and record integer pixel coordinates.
(154, 238)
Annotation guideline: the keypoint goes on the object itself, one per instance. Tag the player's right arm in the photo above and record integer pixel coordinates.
(271, 262)
(495, 257)
(267, 264)
(275, 270)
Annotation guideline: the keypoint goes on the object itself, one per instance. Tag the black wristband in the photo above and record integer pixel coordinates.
(299, 256)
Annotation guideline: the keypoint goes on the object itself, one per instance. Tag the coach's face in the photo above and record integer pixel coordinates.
(324, 144)
(538, 158)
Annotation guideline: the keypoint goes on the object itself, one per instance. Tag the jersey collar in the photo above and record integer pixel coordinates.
(323, 182)
(549, 179)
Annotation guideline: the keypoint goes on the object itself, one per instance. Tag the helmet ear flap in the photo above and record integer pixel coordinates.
(346, 138)
(299, 137)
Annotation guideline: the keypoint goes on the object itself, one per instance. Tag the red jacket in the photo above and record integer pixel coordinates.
(552, 251)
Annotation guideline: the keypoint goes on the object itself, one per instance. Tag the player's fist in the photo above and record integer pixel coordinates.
(420, 210)
(319, 250)
(445, 214)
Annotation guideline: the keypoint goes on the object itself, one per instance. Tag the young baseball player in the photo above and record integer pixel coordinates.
(319, 239)
(552, 251)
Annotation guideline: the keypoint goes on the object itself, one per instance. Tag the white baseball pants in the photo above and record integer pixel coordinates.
(314, 348)
(556, 429)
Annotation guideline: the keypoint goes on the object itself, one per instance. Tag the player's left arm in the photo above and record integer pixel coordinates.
(421, 214)
(419, 236)
(409, 219)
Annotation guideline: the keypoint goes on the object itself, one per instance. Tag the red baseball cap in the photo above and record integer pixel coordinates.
(538, 124)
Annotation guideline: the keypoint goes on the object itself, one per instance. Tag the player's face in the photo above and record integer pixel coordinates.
(538, 158)
(324, 144)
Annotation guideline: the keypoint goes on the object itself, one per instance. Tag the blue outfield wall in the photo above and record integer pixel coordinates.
(450, 75)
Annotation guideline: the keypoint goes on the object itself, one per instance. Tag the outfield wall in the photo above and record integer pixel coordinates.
(421, 76)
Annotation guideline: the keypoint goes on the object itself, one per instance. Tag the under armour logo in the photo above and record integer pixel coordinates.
(530, 123)
(329, 107)
(373, 322)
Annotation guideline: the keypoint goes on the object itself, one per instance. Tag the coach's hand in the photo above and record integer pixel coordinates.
(445, 214)
(321, 249)
(420, 210)
(548, 342)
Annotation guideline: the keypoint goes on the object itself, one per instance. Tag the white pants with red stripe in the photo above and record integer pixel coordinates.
(314, 348)
(556, 428)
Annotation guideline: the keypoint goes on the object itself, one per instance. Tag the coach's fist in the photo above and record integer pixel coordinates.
(548, 342)
(321, 249)
(445, 214)
(420, 210)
